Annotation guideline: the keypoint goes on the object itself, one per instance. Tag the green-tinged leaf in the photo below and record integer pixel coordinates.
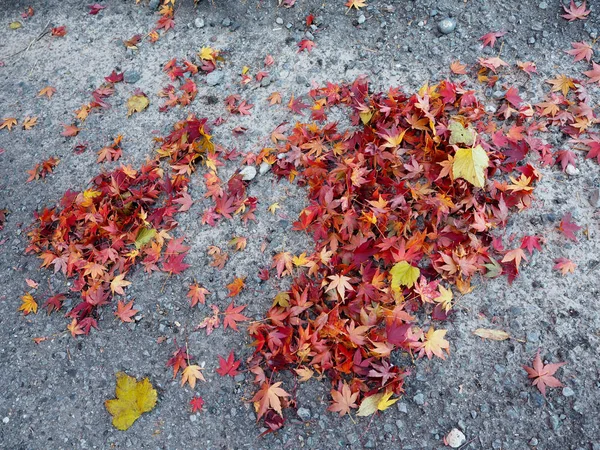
(403, 274)
(144, 236)
(461, 135)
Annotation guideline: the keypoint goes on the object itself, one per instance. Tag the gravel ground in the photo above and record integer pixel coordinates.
(52, 393)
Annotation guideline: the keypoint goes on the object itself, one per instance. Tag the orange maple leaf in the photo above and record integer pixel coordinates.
(236, 286)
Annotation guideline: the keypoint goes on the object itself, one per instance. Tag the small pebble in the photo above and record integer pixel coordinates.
(264, 168)
(543, 5)
(193, 418)
(5, 420)
(226, 22)
(447, 26)
(131, 76)
(214, 78)
(199, 22)
(361, 19)
(533, 442)
(568, 392)
(279, 21)
(419, 399)
(154, 4)
(402, 407)
(248, 173)
(304, 413)
(455, 438)
(571, 170)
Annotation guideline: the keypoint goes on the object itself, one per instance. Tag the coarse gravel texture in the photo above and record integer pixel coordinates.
(52, 394)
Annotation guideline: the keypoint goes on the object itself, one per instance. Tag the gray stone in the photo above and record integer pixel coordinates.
(304, 413)
(131, 76)
(248, 173)
(554, 422)
(533, 442)
(214, 78)
(199, 22)
(447, 26)
(193, 418)
(402, 407)
(543, 5)
(154, 4)
(265, 82)
(533, 336)
(226, 22)
(309, 35)
(568, 392)
(361, 19)
(279, 21)
(239, 378)
(571, 170)
(419, 399)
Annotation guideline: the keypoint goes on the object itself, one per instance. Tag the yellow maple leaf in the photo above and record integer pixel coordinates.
(282, 299)
(118, 283)
(137, 103)
(133, 398)
(435, 343)
(8, 122)
(29, 304)
(190, 374)
(561, 83)
(403, 274)
(470, 164)
(207, 54)
(377, 402)
(274, 207)
(356, 4)
(300, 260)
(445, 298)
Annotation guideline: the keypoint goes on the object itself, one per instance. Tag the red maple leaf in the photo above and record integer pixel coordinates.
(542, 375)
(306, 44)
(594, 74)
(565, 157)
(197, 294)
(296, 105)
(490, 38)
(70, 130)
(114, 77)
(228, 366)
(125, 311)
(565, 265)
(531, 243)
(95, 8)
(512, 95)
(232, 316)
(196, 403)
(575, 12)
(244, 108)
(594, 147)
(174, 264)
(568, 228)
(178, 360)
(54, 303)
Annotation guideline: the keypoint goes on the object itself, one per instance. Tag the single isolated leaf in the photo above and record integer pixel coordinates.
(490, 38)
(228, 366)
(357, 4)
(236, 286)
(233, 314)
(574, 12)
(196, 403)
(125, 311)
(568, 227)
(494, 335)
(48, 91)
(581, 50)
(191, 374)
(197, 294)
(28, 305)
(137, 103)
(133, 398)
(470, 164)
(8, 123)
(403, 274)
(565, 266)
(542, 375)
(457, 68)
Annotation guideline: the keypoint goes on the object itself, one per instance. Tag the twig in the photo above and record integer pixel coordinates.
(39, 36)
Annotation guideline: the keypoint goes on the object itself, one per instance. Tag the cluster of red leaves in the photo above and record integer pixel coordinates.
(186, 85)
(99, 234)
(380, 195)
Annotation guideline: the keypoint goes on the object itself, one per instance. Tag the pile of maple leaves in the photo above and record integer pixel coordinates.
(99, 234)
(395, 228)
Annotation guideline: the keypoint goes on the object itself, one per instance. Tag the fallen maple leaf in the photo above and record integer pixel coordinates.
(470, 164)
(8, 123)
(75, 328)
(515, 255)
(59, 31)
(70, 130)
(236, 286)
(490, 38)
(125, 311)
(357, 4)
(531, 243)
(274, 98)
(542, 375)
(594, 74)
(434, 344)
(233, 315)
(581, 50)
(562, 83)
(565, 265)
(568, 227)
(374, 403)
(29, 122)
(228, 366)
(575, 12)
(494, 335)
(118, 283)
(528, 67)
(137, 103)
(343, 400)
(95, 8)
(340, 283)
(196, 403)
(306, 44)
(191, 374)
(48, 91)
(197, 294)
(178, 360)
(269, 397)
(404, 274)
(458, 68)
(133, 398)
(28, 305)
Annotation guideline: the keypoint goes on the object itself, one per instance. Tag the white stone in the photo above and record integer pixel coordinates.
(571, 170)
(5, 420)
(264, 168)
(248, 173)
(455, 438)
